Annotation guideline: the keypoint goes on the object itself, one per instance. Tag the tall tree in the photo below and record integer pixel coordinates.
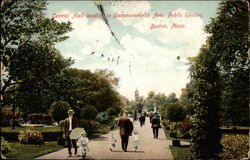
(205, 141)
(27, 45)
(228, 43)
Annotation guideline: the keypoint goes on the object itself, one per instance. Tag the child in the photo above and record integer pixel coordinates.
(135, 140)
(83, 144)
(112, 141)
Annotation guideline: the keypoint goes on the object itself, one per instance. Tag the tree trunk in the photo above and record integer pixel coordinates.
(176, 130)
(13, 117)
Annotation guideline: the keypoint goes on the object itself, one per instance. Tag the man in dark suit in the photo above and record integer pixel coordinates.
(155, 125)
(69, 124)
(126, 127)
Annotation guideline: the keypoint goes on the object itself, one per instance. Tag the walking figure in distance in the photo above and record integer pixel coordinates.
(155, 121)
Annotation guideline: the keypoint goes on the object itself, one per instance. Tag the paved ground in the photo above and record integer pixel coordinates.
(150, 148)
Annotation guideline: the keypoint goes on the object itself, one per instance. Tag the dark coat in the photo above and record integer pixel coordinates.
(155, 121)
(125, 126)
(66, 125)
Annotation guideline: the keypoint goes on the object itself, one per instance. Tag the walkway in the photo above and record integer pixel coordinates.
(99, 147)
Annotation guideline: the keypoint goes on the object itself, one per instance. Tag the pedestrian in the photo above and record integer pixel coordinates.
(142, 119)
(83, 145)
(155, 121)
(125, 127)
(112, 141)
(69, 124)
(135, 140)
(150, 116)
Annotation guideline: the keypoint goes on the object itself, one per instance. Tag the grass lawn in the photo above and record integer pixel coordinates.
(102, 130)
(31, 151)
(41, 129)
(21, 151)
(182, 152)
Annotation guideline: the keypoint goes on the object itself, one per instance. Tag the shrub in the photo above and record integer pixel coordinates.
(89, 125)
(30, 137)
(172, 134)
(102, 117)
(5, 147)
(59, 110)
(111, 111)
(6, 116)
(234, 147)
(40, 118)
(89, 112)
(185, 127)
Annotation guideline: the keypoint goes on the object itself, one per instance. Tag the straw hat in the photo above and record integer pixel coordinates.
(71, 111)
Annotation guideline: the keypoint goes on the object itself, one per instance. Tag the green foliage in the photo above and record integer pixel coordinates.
(219, 79)
(111, 111)
(59, 110)
(30, 137)
(229, 45)
(185, 127)
(173, 134)
(5, 146)
(102, 117)
(29, 55)
(176, 113)
(234, 147)
(205, 135)
(89, 112)
(39, 118)
(90, 126)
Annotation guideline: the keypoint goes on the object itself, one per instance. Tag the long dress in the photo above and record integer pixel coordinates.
(135, 141)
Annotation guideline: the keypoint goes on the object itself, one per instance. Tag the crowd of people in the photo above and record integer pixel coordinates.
(126, 129)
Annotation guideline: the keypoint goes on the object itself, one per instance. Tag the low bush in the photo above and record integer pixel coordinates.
(185, 127)
(90, 126)
(172, 134)
(89, 112)
(40, 118)
(5, 146)
(234, 146)
(102, 117)
(111, 111)
(7, 117)
(30, 137)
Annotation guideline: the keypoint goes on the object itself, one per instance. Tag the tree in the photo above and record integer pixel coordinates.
(89, 112)
(219, 78)
(27, 44)
(186, 103)
(175, 113)
(59, 110)
(205, 134)
(228, 43)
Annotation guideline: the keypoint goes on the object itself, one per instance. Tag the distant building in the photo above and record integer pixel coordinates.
(136, 95)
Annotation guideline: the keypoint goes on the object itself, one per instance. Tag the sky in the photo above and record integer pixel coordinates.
(143, 50)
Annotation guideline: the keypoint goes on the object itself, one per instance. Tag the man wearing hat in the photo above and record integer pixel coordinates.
(126, 127)
(156, 124)
(69, 124)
